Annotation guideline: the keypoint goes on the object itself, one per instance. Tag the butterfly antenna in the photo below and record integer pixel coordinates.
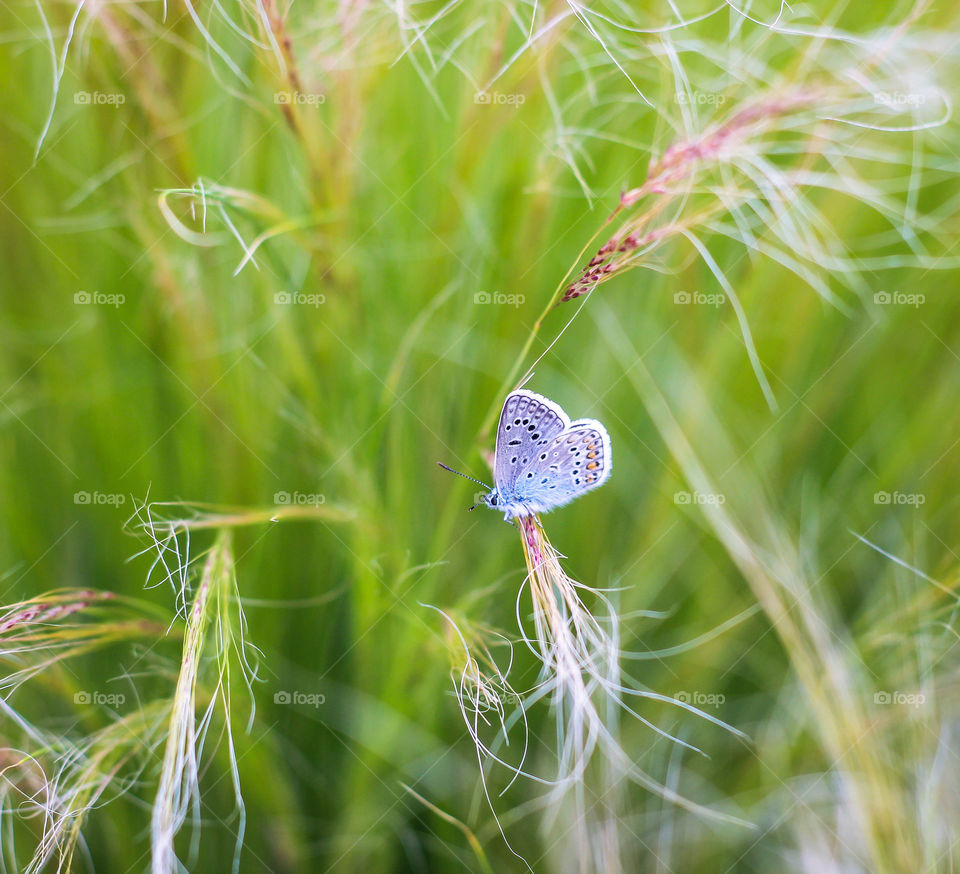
(472, 479)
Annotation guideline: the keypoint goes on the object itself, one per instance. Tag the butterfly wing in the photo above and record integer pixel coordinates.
(573, 462)
(528, 424)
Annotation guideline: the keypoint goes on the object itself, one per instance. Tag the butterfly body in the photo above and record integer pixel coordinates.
(542, 459)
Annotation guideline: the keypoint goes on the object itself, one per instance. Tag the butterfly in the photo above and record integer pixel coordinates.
(542, 459)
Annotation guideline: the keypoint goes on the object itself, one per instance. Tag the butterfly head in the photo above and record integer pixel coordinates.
(490, 498)
(486, 499)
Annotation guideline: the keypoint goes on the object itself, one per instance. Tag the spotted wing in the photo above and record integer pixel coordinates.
(528, 424)
(570, 464)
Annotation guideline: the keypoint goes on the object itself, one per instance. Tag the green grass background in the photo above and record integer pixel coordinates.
(199, 387)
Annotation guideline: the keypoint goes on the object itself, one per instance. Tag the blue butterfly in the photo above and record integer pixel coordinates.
(542, 459)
